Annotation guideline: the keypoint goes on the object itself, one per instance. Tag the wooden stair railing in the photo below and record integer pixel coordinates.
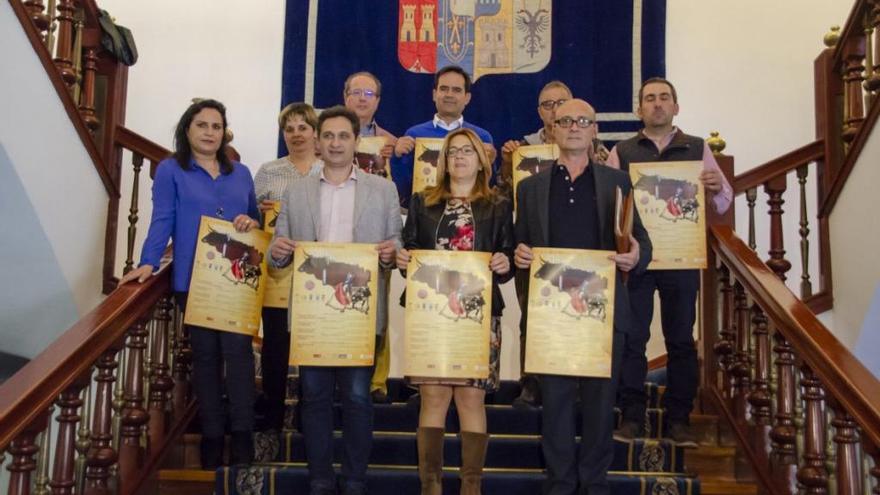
(117, 386)
(805, 411)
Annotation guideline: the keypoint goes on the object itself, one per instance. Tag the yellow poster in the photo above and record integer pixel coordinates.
(425, 157)
(529, 160)
(368, 156)
(333, 304)
(448, 313)
(571, 312)
(228, 278)
(271, 216)
(278, 284)
(672, 205)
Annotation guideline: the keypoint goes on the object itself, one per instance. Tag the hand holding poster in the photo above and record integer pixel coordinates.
(570, 313)
(228, 278)
(333, 304)
(426, 154)
(672, 205)
(448, 312)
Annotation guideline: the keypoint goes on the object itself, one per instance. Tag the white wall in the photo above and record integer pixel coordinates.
(52, 201)
(744, 68)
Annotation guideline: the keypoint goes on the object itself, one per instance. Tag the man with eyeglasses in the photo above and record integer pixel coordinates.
(452, 93)
(661, 141)
(362, 92)
(571, 205)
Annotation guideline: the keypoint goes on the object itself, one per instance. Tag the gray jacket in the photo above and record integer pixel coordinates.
(376, 219)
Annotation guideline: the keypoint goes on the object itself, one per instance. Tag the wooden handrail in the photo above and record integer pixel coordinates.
(843, 376)
(31, 391)
(779, 166)
(136, 143)
(849, 29)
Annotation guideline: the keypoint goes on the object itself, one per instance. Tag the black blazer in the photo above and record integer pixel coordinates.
(493, 233)
(532, 225)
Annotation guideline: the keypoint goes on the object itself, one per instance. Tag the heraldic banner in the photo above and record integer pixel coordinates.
(571, 312)
(228, 278)
(603, 49)
(448, 313)
(333, 304)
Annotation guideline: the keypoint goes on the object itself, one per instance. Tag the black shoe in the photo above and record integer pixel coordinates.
(379, 396)
(529, 395)
(628, 431)
(242, 448)
(681, 434)
(211, 451)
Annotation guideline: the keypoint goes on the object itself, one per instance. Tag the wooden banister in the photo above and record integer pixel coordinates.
(140, 145)
(841, 373)
(779, 166)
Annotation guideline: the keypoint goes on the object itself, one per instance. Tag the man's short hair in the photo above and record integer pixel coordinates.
(458, 70)
(362, 73)
(555, 84)
(304, 110)
(659, 80)
(340, 111)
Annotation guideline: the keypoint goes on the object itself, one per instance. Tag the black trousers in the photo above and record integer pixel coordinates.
(571, 472)
(213, 353)
(274, 362)
(678, 297)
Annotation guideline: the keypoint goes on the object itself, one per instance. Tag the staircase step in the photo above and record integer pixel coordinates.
(713, 463)
(727, 488)
(385, 479)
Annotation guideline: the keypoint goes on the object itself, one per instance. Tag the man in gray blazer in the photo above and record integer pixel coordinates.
(344, 204)
(571, 205)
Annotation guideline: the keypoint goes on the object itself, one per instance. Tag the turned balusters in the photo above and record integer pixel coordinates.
(63, 479)
(102, 455)
(872, 81)
(161, 382)
(133, 415)
(784, 434)
(804, 231)
(22, 450)
(137, 162)
(64, 47)
(760, 398)
(741, 369)
(87, 97)
(38, 17)
(846, 439)
(182, 363)
(751, 197)
(853, 100)
(812, 474)
(775, 188)
(724, 347)
(41, 482)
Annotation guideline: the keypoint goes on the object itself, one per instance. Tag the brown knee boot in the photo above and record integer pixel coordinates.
(473, 457)
(430, 445)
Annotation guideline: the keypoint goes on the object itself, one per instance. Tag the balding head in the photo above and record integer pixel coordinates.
(573, 138)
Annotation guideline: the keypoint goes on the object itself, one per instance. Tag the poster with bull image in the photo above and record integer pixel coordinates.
(333, 304)
(571, 312)
(271, 216)
(228, 278)
(426, 154)
(672, 204)
(531, 159)
(369, 156)
(448, 313)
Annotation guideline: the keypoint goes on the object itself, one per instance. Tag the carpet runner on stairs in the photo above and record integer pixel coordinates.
(514, 463)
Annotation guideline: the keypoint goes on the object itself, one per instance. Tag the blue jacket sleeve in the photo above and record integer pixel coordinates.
(164, 215)
(402, 175)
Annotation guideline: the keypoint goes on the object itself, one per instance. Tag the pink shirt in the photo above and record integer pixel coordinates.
(337, 209)
(721, 199)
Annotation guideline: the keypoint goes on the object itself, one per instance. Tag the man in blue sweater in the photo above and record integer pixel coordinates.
(452, 92)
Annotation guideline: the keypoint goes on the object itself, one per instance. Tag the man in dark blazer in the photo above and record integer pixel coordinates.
(571, 205)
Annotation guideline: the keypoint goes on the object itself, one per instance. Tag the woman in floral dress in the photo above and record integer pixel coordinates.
(460, 213)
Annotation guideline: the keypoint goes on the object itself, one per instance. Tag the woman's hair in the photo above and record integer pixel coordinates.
(304, 110)
(481, 190)
(182, 147)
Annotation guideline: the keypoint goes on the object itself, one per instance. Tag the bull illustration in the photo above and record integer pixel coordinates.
(371, 163)
(349, 282)
(244, 259)
(586, 289)
(430, 156)
(534, 164)
(463, 291)
(680, 196)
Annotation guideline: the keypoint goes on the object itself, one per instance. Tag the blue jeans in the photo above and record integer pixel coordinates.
(318, 384)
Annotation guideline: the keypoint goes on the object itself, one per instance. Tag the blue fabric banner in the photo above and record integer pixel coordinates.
(602, 49)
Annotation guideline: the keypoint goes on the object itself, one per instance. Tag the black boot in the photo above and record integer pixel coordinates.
(242, 449)
(211, 451)
(530, 393)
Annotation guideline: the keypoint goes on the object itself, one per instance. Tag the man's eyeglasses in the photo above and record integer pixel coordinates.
(451, 152)
(582, 122)
(366, 93)
(551, 104)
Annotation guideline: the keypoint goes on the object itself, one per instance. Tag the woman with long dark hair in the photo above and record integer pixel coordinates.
(199, 179)
(460, 213)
